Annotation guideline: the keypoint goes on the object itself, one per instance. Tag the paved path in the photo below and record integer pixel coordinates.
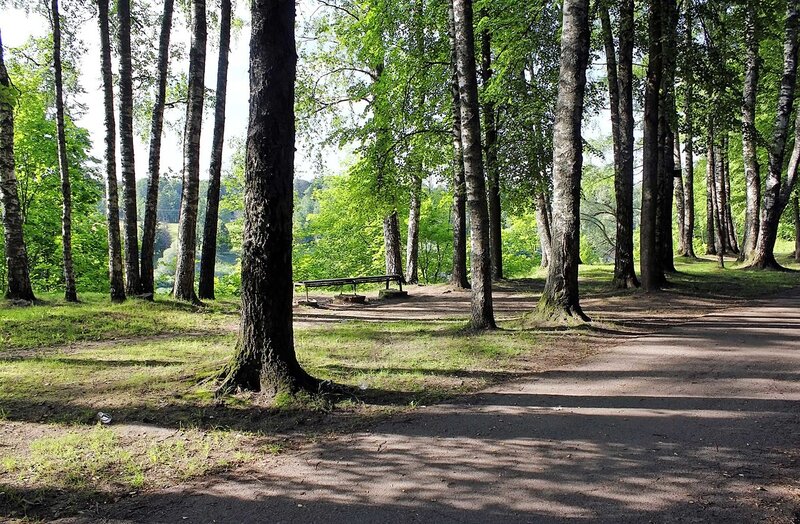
(698, 424)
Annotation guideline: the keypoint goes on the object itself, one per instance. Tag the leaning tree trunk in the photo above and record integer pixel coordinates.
(688, 149)
(711, 245)
(265, 357)
(620, 89)
(412, 239)
(651, 271)
(187, 229)
(209, 255)
(775, 198)
(70, 292)
(19, 280)
(132, 285)
(459, 277)
(391, 244)
(482, 312)
(115, 274)
(750, 135)
(543, 227)
(492, 172)
(154, 161)
(560, 297)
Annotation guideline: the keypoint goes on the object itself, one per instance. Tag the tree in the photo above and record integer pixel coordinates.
(70, 292)
(19, 281)
(459, 277)
(482, 314)
(620, 87)
(265, 358)
(412, 238)
(651, 272)
(750, 133)
(116, 278)
(560, 297)
(190, 197)
(687, 180)
(391, 244)
(127, 160)
(490, 148)
(154, 160)
(209, 255)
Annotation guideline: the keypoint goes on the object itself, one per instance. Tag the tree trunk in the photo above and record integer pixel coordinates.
(796, 213)
(620, 89)
(719, 233)
(412, 240)
(668, 123)
(750, 135)
(560, 297)
(459, 277)
(492, 172)
(70, 292)
(543, 227)
(19, 280)
(711, 245)
(730, 226)
(680, 201)
(482, 313)
(719, 199)
(115, 273)
(127, 163)
(651, 271)
(209, 255)
(688, 149)
(187, 229)
(391, 244)
(265, 358)
(774, 198)
(154, 161)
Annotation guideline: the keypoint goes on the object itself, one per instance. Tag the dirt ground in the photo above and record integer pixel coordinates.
(697, 423)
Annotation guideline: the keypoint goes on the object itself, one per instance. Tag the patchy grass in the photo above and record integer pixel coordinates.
(151, 366)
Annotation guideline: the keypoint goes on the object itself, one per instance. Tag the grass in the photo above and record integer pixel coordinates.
(149, 365)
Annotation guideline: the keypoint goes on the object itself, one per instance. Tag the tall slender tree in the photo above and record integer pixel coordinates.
(209, 254)
(265, 358)
(70, 291)
(154, 159)
(19, 280)
(752, 169)
(492, 170)
(687, 233)
(190, 197)
(127, 161)
(560, 296)
(667, 129)
(482, 313)
(415, 202)
(651, 272)
(459, 277)
(115, 273)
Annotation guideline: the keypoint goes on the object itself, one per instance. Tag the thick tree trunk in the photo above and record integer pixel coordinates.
(115, 273)
(680, 201)
(775, 199)
(492, 172)
(668, 124)
(265, 357)
(70, 292)
(209, 255)
(127, 163)
(19, 280)
(560, 297)
(620, 89)
(651, 271)
(459, 277)
(412, 240)
(482, 312)
(711, 245)
(543, 227)
(750, 135)
(391, 244)
(688, 149)
(187, 229)
(154, 161)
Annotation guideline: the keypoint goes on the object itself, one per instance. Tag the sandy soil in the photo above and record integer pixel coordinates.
(699, 423)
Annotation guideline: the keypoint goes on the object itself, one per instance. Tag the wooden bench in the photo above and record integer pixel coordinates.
(350, 281)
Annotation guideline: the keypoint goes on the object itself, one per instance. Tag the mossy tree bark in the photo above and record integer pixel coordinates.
(265, 359)
(19, 280)
(560, 297)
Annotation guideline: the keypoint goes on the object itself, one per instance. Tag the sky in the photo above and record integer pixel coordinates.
(17, 26)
